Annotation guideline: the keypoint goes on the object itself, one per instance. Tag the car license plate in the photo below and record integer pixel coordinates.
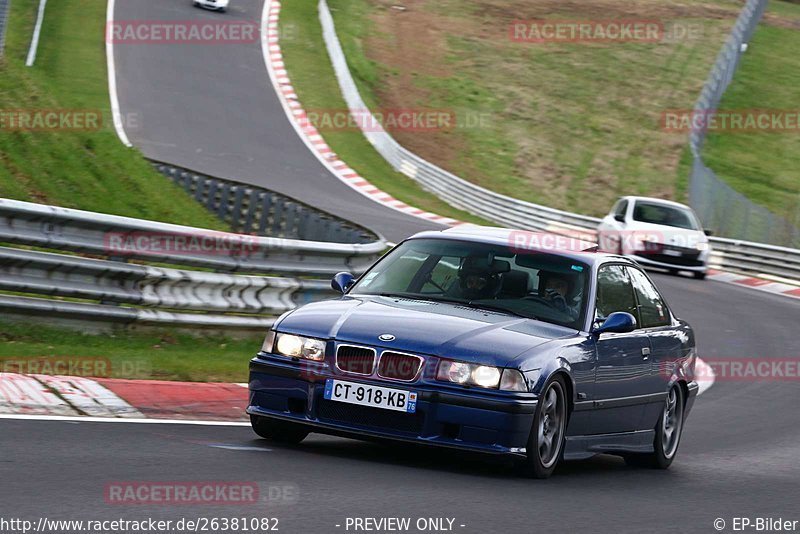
(670, 252)
(375, 396)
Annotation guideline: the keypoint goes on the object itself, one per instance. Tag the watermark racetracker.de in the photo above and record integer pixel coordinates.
(57, 365)
(731, 120)
(200, 492)
(205, 243)
(190, 32)
(50, 120)
(540, 31)
(418, 120)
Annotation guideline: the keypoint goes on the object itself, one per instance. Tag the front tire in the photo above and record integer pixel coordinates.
(278, 431)
(546, 442)
(668, 434)
(699, 276)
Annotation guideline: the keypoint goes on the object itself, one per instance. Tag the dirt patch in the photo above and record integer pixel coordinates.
(781, 22)
(412, 42)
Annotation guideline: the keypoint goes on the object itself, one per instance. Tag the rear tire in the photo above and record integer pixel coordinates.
(278, 431)
(546, 443)
(668, 434)
(700, 276)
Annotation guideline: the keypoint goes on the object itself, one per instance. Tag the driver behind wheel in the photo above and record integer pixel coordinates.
(479, 277)
(558, 289)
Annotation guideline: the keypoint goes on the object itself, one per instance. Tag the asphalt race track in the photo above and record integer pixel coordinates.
(738, 456)
(211, 108)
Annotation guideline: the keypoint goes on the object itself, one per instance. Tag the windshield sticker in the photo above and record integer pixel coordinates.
(578, 268)
(369, 278)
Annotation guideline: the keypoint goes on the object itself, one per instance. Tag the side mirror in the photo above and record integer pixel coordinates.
(341, 282)
(708, 232)
(619, 217)
(617, 322)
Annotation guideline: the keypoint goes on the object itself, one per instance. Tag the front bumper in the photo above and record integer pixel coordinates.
(286, 390)
(694, 390)
(665, 262)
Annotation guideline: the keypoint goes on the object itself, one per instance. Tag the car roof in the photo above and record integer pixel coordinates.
(661, 201)
(576, 249)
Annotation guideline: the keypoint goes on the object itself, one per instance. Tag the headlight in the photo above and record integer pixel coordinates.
(484, 376)
(701, 246)
(300, 347)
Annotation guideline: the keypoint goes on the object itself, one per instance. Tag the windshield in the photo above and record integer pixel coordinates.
(527, 284)
(652, 213)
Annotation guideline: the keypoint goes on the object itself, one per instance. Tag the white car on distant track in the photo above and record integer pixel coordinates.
(216, 5)
(656, 233)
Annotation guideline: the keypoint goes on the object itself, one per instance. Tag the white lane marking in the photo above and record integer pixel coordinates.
(243, 384)
(85, 419)
(37, 31)
(112, 78)
(239, 447)
(704, 370)
(23, 395)
(89, 397)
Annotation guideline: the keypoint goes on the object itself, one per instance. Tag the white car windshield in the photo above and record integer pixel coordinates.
(652, 213)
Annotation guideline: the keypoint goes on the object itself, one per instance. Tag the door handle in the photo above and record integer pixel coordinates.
(645, 353)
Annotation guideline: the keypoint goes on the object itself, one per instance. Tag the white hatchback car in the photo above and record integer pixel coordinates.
(656, 233)
(216, 5)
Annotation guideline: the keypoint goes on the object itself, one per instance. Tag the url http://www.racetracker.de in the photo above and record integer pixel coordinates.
(101, 526)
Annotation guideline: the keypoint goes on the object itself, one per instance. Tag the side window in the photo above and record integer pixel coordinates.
(442, 276)
(652, 309)
(614, 292)
(622, 207)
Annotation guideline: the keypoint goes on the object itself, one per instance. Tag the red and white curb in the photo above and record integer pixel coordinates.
(298, 118)
(761, 284)
(130, 400)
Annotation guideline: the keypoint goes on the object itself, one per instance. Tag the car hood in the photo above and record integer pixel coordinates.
(436, 328)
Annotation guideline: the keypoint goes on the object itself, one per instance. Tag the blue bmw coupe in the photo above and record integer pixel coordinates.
(465, 339)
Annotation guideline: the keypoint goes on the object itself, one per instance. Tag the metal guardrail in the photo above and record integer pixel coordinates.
(744, 256)
(4, 9)
(250, 209)
(106, 288)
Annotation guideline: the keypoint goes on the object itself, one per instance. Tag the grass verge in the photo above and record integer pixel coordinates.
(88, 170)
(570, 125)
(159, 355)
(764, 166)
